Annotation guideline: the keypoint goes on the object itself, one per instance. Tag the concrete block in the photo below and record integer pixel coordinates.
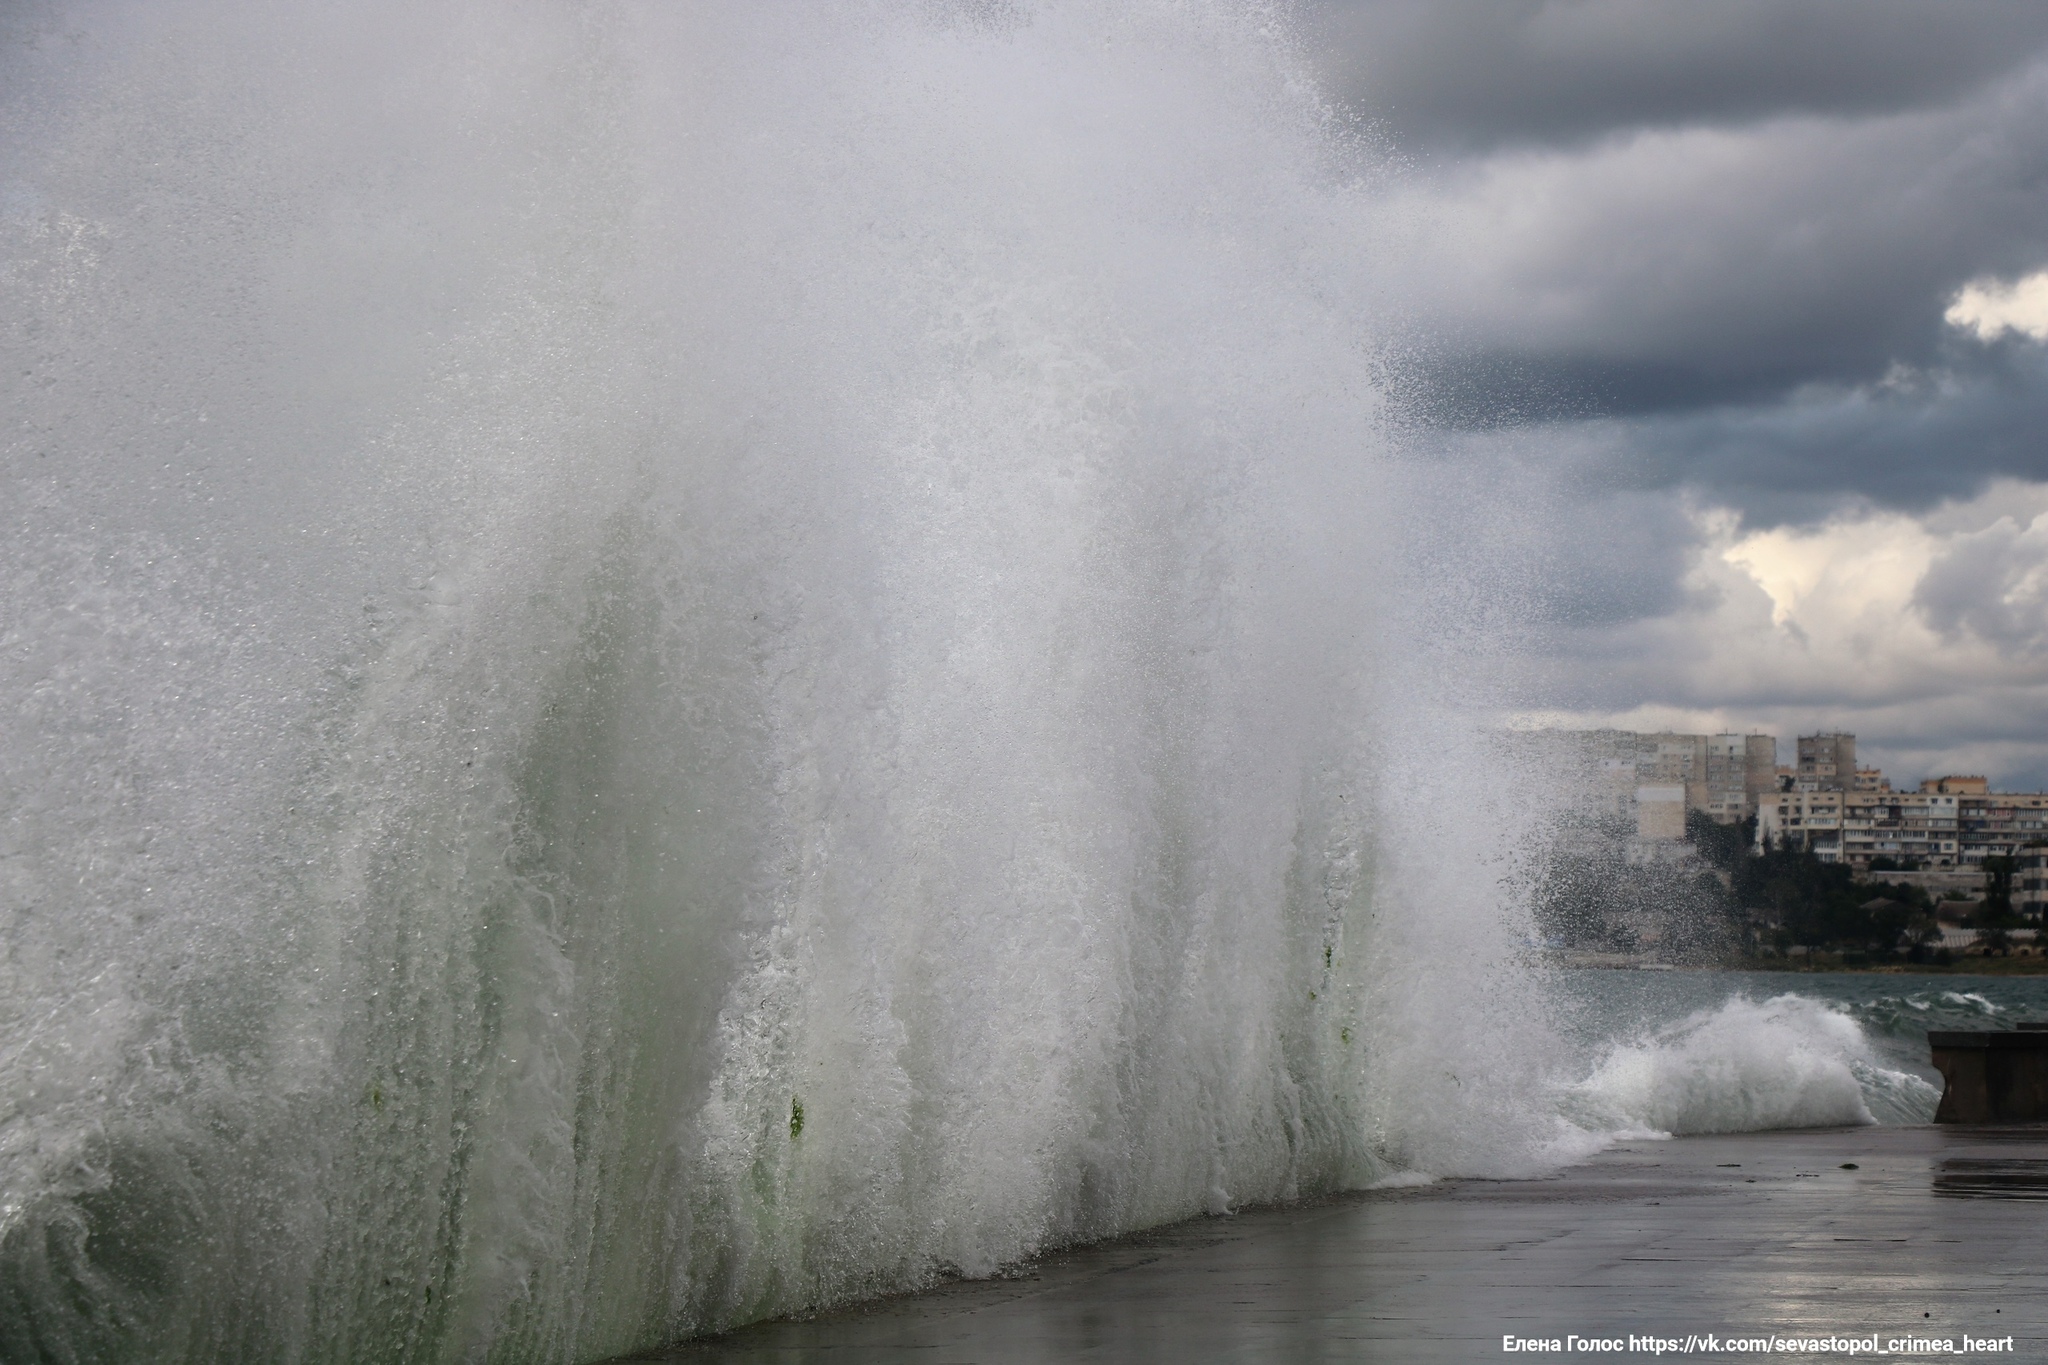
(1992, 1077)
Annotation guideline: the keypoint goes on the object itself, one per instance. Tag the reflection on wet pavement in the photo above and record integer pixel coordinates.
(1978, 1178)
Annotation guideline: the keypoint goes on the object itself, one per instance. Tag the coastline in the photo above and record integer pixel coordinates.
(2026, 966)
(1821, 966)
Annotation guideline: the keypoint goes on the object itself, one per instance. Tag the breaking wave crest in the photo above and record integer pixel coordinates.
(1746, 1066)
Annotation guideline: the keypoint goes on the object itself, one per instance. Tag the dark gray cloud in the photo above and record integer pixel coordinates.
(1458, 75)
(1747, 294)
(1993, 584)
(1911, 442)
(1701, 266)
(1676, 272)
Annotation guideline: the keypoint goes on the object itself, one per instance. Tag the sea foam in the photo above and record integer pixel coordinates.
(1744, 1066)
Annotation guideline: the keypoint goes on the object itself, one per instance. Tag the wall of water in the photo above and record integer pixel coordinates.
(670, 662)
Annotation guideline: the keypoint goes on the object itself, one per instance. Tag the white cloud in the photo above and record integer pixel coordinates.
(1991, 308)
(1837, 573)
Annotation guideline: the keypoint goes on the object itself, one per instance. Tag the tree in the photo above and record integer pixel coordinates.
(1998, 874)
(1819, 904)
(1883, 922)
(1720, 846)
(1814, 901)
(1995, 918)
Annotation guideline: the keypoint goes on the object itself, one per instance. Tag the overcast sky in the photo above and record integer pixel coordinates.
(1750, 294)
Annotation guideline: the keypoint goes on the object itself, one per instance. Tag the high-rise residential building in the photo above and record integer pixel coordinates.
(1723, 776)
(1842, 813)
(1827, 763)
(1740, 771)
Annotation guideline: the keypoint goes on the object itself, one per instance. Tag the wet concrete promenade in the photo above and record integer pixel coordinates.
(1938, 1233)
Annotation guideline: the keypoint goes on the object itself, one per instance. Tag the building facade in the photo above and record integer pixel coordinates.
(1807, 820)
(1852, 815)
(1950, 822)
(1741, 770)
(1723, 776)
(1857, 827)
(2030, 882)
(1999, 824)
(1642, 786)
(1826, 763)
(1906, 827)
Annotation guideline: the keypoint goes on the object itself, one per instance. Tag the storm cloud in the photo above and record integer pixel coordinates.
(1711, 275)
(1450, 76)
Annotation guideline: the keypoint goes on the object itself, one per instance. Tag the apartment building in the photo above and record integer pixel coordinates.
(1949, 822)
(1826, 763)
(1855, 827)
(1807, 820)
(1739, 771)
(1644, 785)
(1627, 773)
(1918, 827)
(1999, 824)
(2030, 882)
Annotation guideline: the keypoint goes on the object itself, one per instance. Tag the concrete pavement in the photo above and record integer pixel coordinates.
(1936, 1233)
